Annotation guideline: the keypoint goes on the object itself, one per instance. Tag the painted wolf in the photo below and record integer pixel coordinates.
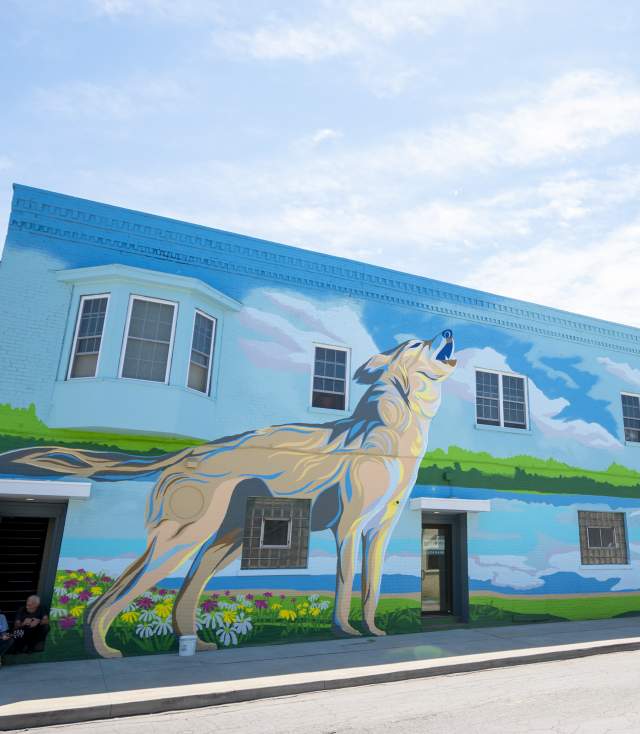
(357, 471)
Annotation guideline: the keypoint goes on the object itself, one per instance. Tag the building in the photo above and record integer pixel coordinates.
(205, 432)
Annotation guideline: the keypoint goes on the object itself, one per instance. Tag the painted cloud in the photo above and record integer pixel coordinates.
(544, 411)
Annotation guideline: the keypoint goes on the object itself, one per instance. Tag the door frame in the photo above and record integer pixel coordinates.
(459, 558)
(56, 511)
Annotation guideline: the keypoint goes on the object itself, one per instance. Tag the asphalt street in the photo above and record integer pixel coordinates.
(597, 694)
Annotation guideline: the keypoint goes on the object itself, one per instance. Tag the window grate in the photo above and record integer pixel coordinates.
(276, 533)
(603, 538)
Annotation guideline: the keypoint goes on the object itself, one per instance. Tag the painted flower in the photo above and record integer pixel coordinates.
(243, 624)
(227, 635)
(313, 597)
(70, 583)
(250, 597)
(163, 609)
(57, 612)
(77, 611)
(215, 596)
(229, 616)
(302, 611)
(144, 630)
(145, 602)
(129, 617)
(64, 599)
(106, 579)
(96, 590)
(163, 627)
(84, 595)
(163, 592)
(314, 611)
(261, 604)
(208, 605)
(268, 594)
(282, 596)
(288, 614)
(324, 605)
(67, 623)
(79, 589)
(81, 570)
(59, 590)
(276, 606)
(148, 615)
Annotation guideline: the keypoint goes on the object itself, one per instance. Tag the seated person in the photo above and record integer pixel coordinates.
(6, 639)
(33, 620)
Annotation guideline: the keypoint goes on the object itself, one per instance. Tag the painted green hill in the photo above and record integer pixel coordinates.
(463, 468)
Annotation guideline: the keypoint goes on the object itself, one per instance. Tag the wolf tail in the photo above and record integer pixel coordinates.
(99, 465)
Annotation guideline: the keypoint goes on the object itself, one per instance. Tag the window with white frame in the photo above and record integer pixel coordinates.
(88, 336)
(501, 400)
(204, 329)
(330, 370)
(149, 339)
(631, 417)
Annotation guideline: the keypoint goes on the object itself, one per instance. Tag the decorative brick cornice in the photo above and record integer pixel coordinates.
(38, 214)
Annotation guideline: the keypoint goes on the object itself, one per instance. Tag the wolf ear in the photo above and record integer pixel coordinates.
(369, 372)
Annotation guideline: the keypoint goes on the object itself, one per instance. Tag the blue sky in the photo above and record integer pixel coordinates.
(488, 143)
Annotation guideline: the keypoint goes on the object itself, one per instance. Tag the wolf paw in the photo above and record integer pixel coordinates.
(345, 630)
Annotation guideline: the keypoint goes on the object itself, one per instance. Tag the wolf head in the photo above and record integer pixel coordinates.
(414, 368)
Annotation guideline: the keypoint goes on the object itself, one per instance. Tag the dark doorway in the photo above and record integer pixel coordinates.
(30, 537)
(436, 569)
(445, 575)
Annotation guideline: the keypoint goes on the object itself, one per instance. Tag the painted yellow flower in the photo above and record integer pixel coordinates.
(96, 590)
(276, 606)
(78, 589)
(163, 610)
(74, 575)
(287, 614)
(130, 617)
(229, 616)
(302, 611)
(77, 611)
(314, 611)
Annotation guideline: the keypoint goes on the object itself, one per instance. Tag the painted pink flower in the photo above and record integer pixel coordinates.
(261, 604)
(215, 596)
(227, 592)
(268, 594)
(70, 583)
(163, 592)
(106, 579)
(208, 605)
(67, 623)
(250, 597)
(282, 596)
(64, 599)
(233, 598)
(84, 595)
(144, 602)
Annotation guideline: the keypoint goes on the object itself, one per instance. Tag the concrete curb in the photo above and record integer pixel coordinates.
(74, 709)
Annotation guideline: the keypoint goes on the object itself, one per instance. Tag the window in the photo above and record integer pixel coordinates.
(149, 339)
(201, 350)
(501, 400)
(329, 378)
(88, 336)
(276, 533)
(631, 417)
(603, 538)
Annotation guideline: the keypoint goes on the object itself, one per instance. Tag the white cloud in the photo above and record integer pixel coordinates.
(543, 411)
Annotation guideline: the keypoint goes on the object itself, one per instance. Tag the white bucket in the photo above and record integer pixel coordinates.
(187, 645)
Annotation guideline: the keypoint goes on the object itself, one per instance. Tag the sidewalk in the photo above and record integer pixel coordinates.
(56, 693)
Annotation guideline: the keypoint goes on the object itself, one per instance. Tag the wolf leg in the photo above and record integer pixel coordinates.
(164, 553)
(212, 557)
(346, 546)
(374, 544)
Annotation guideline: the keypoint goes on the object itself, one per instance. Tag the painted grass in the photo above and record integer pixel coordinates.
(576, 608)
(21, 427)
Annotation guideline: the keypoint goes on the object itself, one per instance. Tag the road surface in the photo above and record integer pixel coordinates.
(594, 695)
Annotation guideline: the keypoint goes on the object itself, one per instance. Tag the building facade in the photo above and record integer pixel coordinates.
(204, 433)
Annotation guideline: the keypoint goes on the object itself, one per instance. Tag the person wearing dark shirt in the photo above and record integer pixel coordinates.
(33, 620)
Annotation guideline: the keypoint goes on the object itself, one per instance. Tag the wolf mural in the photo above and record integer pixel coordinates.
(357, 471)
